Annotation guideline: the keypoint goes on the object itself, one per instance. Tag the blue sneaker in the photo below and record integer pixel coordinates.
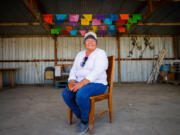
(78, 122)
(82, 128)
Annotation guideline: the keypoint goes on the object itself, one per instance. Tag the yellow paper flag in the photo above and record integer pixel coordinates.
(92, 31)
(88, 17)
(84, 21)
(94, 28)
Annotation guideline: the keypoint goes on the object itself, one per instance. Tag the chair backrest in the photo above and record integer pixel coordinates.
(110, 73)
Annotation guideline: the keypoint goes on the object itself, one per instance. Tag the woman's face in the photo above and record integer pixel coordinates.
(90, 44)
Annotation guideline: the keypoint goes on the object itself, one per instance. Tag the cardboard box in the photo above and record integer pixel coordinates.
(171, 77)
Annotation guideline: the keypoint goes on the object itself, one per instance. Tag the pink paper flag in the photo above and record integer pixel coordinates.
(73, 18)
(82, 32)
(103, 27)
(96, 22)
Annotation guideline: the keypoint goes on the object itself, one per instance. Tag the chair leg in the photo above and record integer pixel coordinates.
(91, 117)
(70, 115)
(110, 109)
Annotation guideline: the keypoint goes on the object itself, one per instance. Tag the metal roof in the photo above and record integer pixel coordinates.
(15, 11)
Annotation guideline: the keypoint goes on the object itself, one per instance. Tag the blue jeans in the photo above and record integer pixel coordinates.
(79, 101)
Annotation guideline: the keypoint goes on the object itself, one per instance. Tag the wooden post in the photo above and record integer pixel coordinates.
(55, 51)
(119, 64)
(175, 47)
(12, 78)
(1, 80)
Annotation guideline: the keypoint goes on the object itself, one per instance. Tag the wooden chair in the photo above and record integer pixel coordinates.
(93, 99)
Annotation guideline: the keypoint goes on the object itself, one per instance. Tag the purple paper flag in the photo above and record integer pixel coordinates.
(86, 28)
(102, 32)
(73, 23)
(73, 18)
(100, 17)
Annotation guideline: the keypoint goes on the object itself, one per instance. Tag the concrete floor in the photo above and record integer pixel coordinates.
(138, 110)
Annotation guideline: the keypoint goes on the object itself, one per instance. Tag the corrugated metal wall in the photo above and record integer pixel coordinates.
(140, 70)
(26, 49)
(68, 47)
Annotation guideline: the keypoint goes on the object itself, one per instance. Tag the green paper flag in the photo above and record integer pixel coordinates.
(59, 28)
(131, 20)
(54, 31)
(137, 16)
(128, 26)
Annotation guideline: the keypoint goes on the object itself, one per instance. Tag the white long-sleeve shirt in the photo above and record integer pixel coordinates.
(94, 69)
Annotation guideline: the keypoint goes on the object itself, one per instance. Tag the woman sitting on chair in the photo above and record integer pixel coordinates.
(88, 77)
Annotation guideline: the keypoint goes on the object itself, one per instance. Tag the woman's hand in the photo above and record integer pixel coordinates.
(77, 86)
(72, 81)
(80, 85)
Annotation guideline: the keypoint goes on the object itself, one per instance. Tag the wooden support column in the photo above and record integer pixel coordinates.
(119, 57)
(1, 80)
(175, 47)
(55, 50)
(149, 4)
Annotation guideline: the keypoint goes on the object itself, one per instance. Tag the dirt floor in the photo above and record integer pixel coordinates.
(138, 110)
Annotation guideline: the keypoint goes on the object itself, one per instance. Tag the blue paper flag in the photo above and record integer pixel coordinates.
(112, 32)
(73, 32)
(58, 22)
(113, 17)
(111, 27)
(107, 21)
(61, 17)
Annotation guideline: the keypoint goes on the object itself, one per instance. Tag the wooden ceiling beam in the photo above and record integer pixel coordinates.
(149, 12)
(34, 13)
(139, 24)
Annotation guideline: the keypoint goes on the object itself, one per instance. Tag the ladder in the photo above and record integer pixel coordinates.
(154, 74)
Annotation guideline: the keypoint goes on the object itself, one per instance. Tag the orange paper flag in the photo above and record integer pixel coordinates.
(124, 16)
(68, 28)
(121, 29)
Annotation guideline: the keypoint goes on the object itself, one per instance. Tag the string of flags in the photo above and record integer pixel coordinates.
(102, 24)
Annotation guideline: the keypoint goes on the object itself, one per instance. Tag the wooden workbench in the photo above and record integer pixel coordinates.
(12, 71)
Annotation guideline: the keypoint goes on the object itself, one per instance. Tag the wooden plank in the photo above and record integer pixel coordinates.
(35, 15)
(119, 57)
(1, 80)
(175, 47)
(55, 51)
(12, 78)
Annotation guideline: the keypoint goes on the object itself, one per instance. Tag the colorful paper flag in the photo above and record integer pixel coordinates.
(73, 18)
(61, 17)
(82, 32)
(73, 32)
(92, 31)
(100, 17)
(94, 28)
(128, 26)
(64, 31)
(120, 21)
(73, 23)
(58, 22)
(84, 21)
(124, 16)
(59, 28)
(111, 32)
(137, 17)
(121, 29)
(88, 16)
(55, 31)
(111, 27)
(102, 32)
(103, 27)
(68, 28)
(107, 21)
(113, 17)
(48, 18)
(131, 20)
(96, 22)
